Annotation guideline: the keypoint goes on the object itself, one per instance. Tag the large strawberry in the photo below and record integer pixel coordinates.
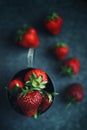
(53, 23)
(75, 93)
(61, 50)
(71, 66)
(29, 102)
(36, 78)
(27, 37)
(15, 86)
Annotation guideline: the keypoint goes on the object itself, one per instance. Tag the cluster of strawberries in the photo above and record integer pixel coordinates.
(30, 92)
(31, 96)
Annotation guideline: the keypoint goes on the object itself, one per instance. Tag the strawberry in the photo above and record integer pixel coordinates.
(75, 93)
(15, 83)
(71, 66)
(46, 103)
(29, 102)
(36, 78)
(53, 23)
(27, 37)
(61, 50)
(15, 86)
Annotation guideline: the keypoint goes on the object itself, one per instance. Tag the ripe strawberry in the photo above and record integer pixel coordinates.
(29, 102)
(27, 37)
(53, 23)
(15, 86)
(36, 78)
(46, 103)
(15, 83)
(71, 66)
(61, 50)
(75, 93)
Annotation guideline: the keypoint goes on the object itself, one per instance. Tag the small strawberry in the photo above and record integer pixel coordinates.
(53, 23)
(61, 50)
(71, 66)
(36, 78)
(47, 100)
(27, 37)
(15, 86)
(29, 102)
(15, 83)
(75, 93)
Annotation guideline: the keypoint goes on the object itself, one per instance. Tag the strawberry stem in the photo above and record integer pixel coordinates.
(52, 16)
(36, 115)
(71, 101)
(49, 97)
(55, 93)
(68, 105)
(24, 92)
(52, 94)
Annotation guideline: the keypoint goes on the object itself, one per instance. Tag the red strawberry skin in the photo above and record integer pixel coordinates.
(74, 64)
(29, 39)
(15, 83)
(30, 102)
(76, 92)
(45, 104)
(54, 24)
(61, 51)
(38, 73)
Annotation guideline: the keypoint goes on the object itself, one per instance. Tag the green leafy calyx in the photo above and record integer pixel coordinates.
(36, 83)
(61, 45)
(67, 70)
(52, 16)
(21, 32)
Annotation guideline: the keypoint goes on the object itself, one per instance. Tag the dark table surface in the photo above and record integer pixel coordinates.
(15, 13)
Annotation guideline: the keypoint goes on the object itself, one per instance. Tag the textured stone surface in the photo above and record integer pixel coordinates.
(15, 13)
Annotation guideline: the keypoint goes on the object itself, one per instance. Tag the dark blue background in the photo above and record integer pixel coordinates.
(15, 13)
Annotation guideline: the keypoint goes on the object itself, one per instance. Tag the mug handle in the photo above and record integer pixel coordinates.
(30, 57)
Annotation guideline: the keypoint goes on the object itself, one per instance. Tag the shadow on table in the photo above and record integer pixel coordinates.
(3, 97)
(12, 41)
